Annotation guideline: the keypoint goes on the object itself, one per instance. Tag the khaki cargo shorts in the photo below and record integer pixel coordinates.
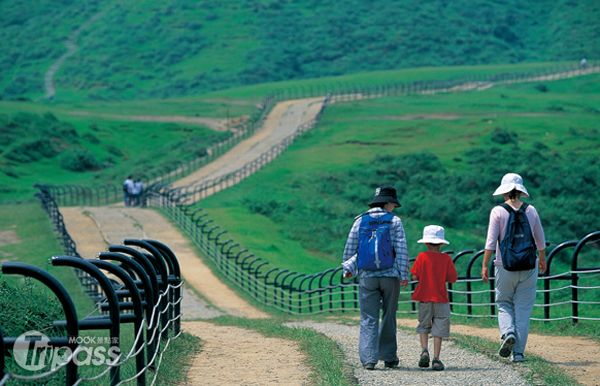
(434, 318)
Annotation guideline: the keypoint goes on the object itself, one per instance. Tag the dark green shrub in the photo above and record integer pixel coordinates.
(503, 136)
(31, 151)
(79, 160)
(91, 138)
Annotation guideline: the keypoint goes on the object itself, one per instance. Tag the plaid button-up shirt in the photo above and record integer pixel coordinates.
(400, 268)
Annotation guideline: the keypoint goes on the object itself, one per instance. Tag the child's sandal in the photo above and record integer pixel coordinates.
(424, 360)
(437, 365)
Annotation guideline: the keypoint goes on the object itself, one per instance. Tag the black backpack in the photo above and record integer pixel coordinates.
(517, 247)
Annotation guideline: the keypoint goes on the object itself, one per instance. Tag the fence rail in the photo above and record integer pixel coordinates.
(147, 295)
(327, 291)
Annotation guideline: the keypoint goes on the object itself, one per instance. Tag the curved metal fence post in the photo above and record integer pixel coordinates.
(138, 312)
(72, 327)
(174, 278)
(575, 276)
(266, 281)
(451, 285)
(277, 287)
(332, 287)
(111, 297)
(157, 259)
(469, 287)
(554, 252)
(492, 284)
(145, 272)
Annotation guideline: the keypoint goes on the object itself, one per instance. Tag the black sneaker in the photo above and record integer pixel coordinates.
(369, 366)
(392, 364)
(507, 345)
(424, 360)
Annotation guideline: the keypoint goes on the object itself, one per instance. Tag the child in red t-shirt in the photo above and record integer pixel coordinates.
(433, 269)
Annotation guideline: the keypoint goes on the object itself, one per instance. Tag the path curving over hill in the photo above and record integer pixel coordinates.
(283, 120)
(94, 228)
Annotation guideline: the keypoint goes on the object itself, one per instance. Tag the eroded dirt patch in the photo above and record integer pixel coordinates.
(236, 356)
(9, 237)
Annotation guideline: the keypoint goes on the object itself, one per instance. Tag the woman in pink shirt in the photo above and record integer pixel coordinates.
(515, 289)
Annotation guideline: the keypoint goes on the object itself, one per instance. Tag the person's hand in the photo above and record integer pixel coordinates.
(542, 265)
(403, 283)
(347, 275)
(485, 274)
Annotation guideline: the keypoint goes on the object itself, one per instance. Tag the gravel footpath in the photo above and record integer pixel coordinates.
(462, 367)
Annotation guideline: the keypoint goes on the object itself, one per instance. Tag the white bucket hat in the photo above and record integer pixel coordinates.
(509, 182)
(433, 234)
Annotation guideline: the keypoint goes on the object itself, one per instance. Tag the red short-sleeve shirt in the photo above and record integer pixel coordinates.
(433, 270)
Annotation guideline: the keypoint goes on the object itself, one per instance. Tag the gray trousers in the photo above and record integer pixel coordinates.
(515, 296)
(377, 340)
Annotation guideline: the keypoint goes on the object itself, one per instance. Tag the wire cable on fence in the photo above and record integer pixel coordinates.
(152, 325)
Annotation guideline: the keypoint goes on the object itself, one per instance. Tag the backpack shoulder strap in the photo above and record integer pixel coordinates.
(388, 216)
(507, 207)
(361, 215)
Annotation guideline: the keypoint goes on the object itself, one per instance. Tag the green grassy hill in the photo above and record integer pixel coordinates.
(143, 49)
(445, 153)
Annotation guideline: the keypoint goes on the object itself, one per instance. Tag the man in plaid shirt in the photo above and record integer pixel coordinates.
(378, 289)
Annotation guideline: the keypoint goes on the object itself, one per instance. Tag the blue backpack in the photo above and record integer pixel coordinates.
(375, 250)
(517, 247)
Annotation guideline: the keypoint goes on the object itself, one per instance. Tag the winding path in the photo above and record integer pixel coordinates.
(71, 46)
(233, 355)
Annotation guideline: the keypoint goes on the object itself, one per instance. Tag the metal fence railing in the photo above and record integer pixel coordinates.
(327, 291)
(147, 295)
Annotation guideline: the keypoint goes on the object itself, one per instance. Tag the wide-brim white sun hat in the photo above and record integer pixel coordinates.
(433, 234)
(509, 182)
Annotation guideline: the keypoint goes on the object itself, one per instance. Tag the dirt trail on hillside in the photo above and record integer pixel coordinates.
(212, 123)
(94, 228)
(282, 121)
(71, 46)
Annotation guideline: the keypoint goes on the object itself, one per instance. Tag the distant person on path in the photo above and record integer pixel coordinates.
(583, 63)
(137, 192)
(378, 241)
(433, 269)
(514, 234)
(127, 188)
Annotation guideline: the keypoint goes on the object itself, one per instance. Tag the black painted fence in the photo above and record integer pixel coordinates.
(146, 293)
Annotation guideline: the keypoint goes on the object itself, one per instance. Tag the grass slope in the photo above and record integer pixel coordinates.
(155, 49)
(41, 148)
(445, 153)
